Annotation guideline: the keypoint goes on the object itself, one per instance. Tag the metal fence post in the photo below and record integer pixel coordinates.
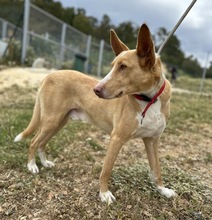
(25, 30)
(101, 50)
(87, 53)
(4, 29)
(62, 43)
(204, 73)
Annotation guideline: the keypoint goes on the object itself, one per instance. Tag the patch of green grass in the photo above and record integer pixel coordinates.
(193, 84)
(94, 145)
(68, 134)
(12, 122)
(188, 111)
(208, 157)
(133, 185)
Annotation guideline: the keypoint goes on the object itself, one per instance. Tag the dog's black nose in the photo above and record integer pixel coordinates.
(98, 91)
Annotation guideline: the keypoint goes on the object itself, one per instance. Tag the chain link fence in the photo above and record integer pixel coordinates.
(47, 37)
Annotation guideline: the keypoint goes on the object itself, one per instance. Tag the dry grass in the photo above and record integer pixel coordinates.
(70, 190)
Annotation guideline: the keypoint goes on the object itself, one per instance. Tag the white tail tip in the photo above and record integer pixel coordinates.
(18, 138)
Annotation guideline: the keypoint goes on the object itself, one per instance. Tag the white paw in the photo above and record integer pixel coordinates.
(47, 163)
(18, 138)
(44, 161)
(107, 197)
(32, 167)
(166, 191)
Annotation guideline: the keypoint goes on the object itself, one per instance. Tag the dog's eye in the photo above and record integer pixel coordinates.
(123, 66)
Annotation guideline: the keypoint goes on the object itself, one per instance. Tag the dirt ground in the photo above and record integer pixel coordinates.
(23, 77)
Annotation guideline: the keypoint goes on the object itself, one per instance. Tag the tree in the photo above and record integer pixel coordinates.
(11, 10)
(82, 23)
(102, 31)
(209, 71)
(160, 37)
(93, 22)
(172, 53)
(128, 33)
(68, 15)
(191, 66)
(50, 6)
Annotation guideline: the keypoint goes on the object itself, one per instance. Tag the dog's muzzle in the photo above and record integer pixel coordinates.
(98, 91)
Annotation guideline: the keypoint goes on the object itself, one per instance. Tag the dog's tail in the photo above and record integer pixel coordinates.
(35, 121)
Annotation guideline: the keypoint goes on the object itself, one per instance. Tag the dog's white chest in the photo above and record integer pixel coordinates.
(153, 124)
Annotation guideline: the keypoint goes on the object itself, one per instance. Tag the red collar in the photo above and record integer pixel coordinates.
(150, 100)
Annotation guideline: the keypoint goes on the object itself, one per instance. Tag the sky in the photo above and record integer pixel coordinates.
(195, 32)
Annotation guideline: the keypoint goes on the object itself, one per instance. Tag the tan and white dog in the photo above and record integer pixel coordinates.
(131, 101)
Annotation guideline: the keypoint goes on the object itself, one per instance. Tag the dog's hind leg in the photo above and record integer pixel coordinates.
(41, 149)
(151, 145)
(47, 130)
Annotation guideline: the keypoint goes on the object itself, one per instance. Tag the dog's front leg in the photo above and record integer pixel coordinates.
(115, 145)
(151, 145)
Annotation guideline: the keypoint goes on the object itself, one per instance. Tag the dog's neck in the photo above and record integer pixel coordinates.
(155, 93)
(147, 95)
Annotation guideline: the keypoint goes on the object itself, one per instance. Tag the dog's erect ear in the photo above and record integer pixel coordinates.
(145, 47)
(117, 45)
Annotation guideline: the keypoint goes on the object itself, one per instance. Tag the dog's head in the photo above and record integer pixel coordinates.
(133, 71)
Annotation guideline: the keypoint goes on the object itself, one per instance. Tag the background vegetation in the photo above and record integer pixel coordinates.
(172, 54)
